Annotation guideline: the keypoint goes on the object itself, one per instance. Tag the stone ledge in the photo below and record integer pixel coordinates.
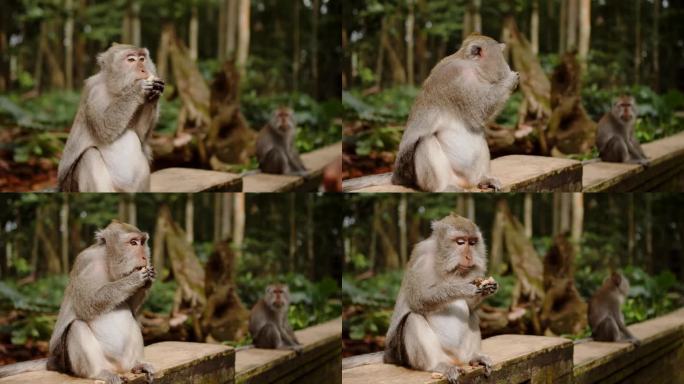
(176, 363)
(666, 161)
(319, 362)
(520, 173)
(662, 338)
(314, 161)
(190, 180)
(517, 359)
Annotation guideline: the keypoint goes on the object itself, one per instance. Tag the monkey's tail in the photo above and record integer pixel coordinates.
(367, 359)
(25, 366)
(351, 185)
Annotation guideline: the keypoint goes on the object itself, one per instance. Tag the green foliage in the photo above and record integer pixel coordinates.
(311, 302)
(509, 114)
(160, 299)
(372, 301)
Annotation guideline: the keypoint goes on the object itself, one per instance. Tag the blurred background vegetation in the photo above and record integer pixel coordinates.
(233, 243)
(622, 47)
(535, 242)
(285, 52)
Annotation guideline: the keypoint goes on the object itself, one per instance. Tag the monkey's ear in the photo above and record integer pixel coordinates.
(475, 50)
(100, 236)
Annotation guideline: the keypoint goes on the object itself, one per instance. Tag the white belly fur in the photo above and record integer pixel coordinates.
(467, 152)
(128, 167)
(120, 337)
(453, 326)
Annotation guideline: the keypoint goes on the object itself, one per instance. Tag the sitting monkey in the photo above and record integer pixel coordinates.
(615, 139)
(268, 322)
(605, 315)
(107, 147)
(96, 335)
(275, 147)
(435, 326)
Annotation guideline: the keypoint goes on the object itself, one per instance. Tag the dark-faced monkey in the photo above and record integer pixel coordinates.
(275, 147)
(435, 326)
(268, 322)
(605, 313)
(96, 335)
(615, 139)
(107, 147)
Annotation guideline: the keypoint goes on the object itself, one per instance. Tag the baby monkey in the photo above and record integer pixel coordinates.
(268, 323)
(605, 316)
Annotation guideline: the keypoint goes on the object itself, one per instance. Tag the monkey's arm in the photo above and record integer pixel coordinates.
(89, 302)
(424, 298)
(288, 335)
(635, 148)
(108, 117)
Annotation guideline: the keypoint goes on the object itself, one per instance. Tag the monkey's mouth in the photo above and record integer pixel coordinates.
(462, 270)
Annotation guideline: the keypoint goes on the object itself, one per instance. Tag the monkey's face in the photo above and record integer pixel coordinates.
(624, 109)
(127, 248)
(461, 247)
(125, 64)
(277, 296)
(283, 120)
(135, 63)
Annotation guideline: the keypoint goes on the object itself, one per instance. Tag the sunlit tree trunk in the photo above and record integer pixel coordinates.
(227, 216)
(130, 30)
(193, 33)
(292, 254)
(403, 243)
(163, 50)
(584, 31)
(470, 207)
(64, 231)
(69, 45)
(562, 27)
(637, 39)
(527, 219)
(577, 219)
(243, 34)
(572, 19)
(534, 27)
(410, 21)
(496, 251)
(380, 61)
(218, 203)
(189, 216)
(127, 209)
(238, 224)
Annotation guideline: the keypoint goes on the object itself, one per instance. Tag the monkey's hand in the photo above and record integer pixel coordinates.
(153, 87)
(146, 368)
(139, 277)
(151, 275)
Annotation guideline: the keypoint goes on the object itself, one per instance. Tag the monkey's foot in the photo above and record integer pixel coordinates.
(484, 361)
(109, 377)
(145, 368)
(490, 182)
(298, 349)
(635, 342)
(450, 372)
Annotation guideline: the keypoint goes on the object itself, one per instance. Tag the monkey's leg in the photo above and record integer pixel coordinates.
(606, 330)
(92, 173)
(615, 151)
(627, 335)
(424, 351)
(268, 337)
(273, 162)
(86, 356)
(146, 368)
(484, 360)
(433, 169)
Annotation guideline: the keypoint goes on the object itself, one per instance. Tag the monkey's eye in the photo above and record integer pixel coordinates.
(460, 241)
(476, 50)
(134, 242)
(142, 59)
(131, 59)
(472, 241)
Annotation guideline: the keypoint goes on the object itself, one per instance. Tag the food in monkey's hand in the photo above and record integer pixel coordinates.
(486, 286)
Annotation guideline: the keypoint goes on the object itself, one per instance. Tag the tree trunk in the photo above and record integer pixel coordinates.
(527, 217)
(227, 216)
(222, 29)
(648, 235)
(233, 8)
(656, 45)
(534, 27)
(189, 216)
(316, 8)
(295, 45)
(573, 18)
(193, 33)
(69, 45)
(292, 249)
(375, 223)
(577, 220)
(243, 35)
(637, 39)
(470, 207)
(238, 223)
(310, 235)
(496, 252)
(163, 49)
(410, 21)
(64, 231)
(380, 61)
(584, 32)
(217, 217)
(563, 26)
(403, 243)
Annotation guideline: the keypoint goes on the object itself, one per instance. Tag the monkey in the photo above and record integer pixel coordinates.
(275, 147)
(434, 326)
(615, 139)
(605, 315)
(96, 335)
(443, 147)
(268, 322)
(107, 149)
